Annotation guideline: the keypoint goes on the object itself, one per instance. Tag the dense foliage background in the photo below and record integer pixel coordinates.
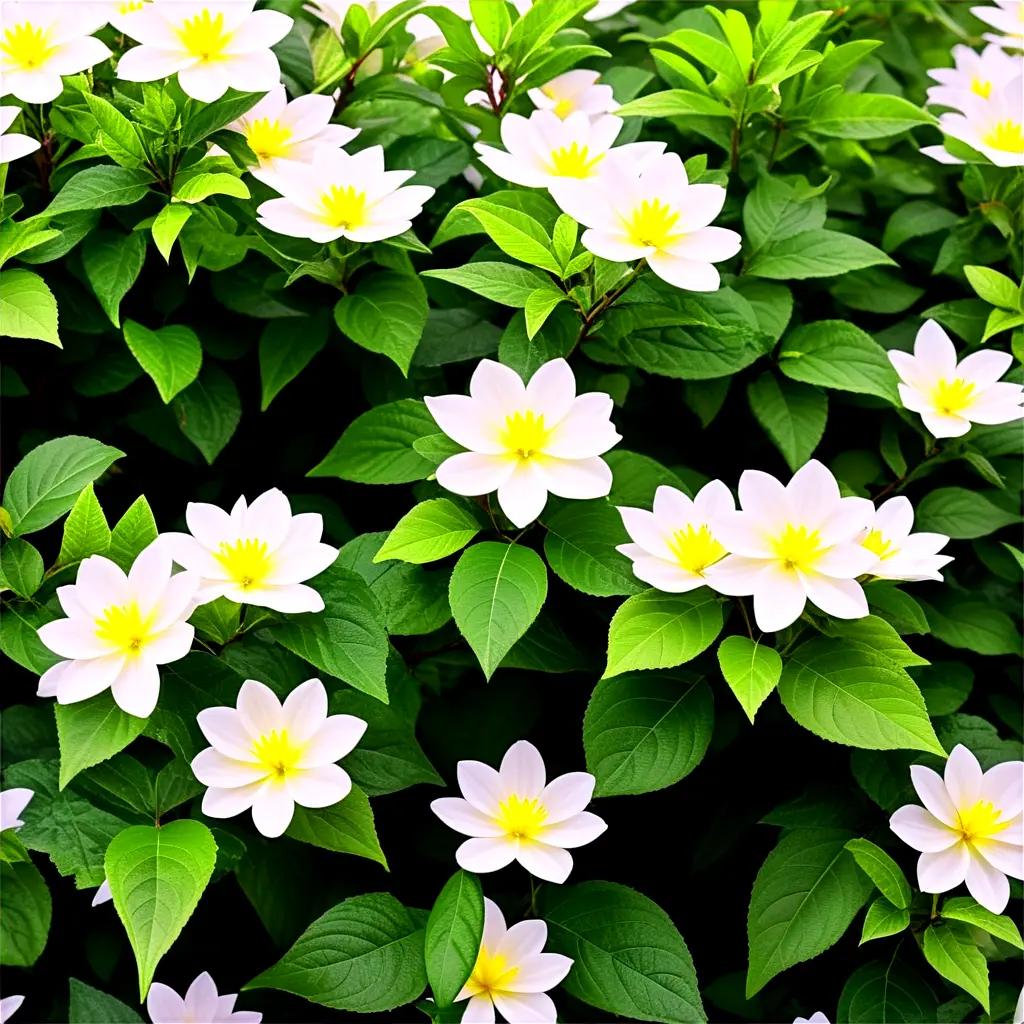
(235, 359)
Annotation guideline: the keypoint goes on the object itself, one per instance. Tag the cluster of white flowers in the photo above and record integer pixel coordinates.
(984, 92)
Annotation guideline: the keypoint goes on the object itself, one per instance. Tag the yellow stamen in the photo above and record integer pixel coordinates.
(878, 545)
(247, 562)
(277, 754)
(573, 161)
(27, 46)
(491, 973)
(203, 36)
(344, 207)
(124, 627)
(981, 821)
(981, 87)
(1007, 136)
(268, 139)
(652, 223)
(563, 108)
(131, 6)
(951, 397)
(798, 548)
(521, 818)
(695, 549)
(525, 434)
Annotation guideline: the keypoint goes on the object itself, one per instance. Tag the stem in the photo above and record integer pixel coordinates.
(901, 481)
(746, 618)
(935, 907)
(597, 311)
(778, 129)
(534, 889)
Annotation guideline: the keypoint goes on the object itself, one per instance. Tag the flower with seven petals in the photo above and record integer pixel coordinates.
(1007, 16)
(200, 1003)
(969, 828)
(674, 544)
(794, 542)
(948, 395)
(119, 629)
(13, 145)
(512, 973)
(12, 803)
(512, 815)
(903, 555)
(575, 91)
(527, 440)
(212, 46)
(270, 756)
(257, 554)
(651, 212)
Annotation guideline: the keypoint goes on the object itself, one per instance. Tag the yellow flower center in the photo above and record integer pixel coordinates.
(27, 46)
(953, 396)
(344, 207)
(124, 628)
(798, 547)
(491, 973)
(247, 562)
(878, 545)
(573, 161)
(277, 754)
(981, 87)
(521, 818)
(525, 434)
(204, 37)
(982, 821)
(562, 108)
(131, 6)
(695, 549)
(1007, 136)
(652, 223)
(268, 139)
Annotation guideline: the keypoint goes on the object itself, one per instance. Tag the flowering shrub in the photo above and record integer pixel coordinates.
(511, 510)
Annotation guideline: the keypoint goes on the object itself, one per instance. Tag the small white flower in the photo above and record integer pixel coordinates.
(512, 974)
(544, 150)
(526, 441)
(652, 212)
(102, 894)
(212, 47)
(270, 756)
(278, 131)
(338, 195)
(993, 127)
(13, 145)
(1018, 1012)
(903, 555)
(973, 76)
(12, 803)
(1007, 16)
(950, 396)
(512, 815)
(575, 91)
(256, 554)
(8, 1005)
(674, 544)
(794, 543)
(40, 42)
(119, 629)
(969, 828)
(815, 1018)
(201, 1004)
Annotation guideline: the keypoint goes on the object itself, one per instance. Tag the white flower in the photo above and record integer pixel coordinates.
(606, 8)
(575, 91)
(674, 543)
(544, 150)
(278, 131)
(815, 1018)
(13, 145)
(993, 126)
(121, 13)
(512, 974)
(201, 1004)
(102, 894)
(40, 42)
(1008, 17)
(212, 47)
(338, 195)
(7, 1007)
(652, 212)
(12, 803)
(270, 757)
(969, 828)
(526, 441)
(793, 543)
(119, 629)
(1018, 1012)
(973, 76)
(903, 555)
(512, 815)
(950, 396)
(256, 554)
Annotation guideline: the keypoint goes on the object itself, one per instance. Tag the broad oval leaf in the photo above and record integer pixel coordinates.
(454, 930)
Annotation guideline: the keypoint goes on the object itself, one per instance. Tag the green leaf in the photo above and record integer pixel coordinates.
(21, 567)
(170, 355)
(792, 414)
(539, 306)
(515, 233)
(25, 922)
(819, 252)
(496, 591)
(916, 219)
(995, 288)
(91, 1006)
(347, 639)
(882, 870)
(208, 411)
(207, 118)
(156, 876)
(884, 919)
(962, 514)
(805, 896)
(674, 103)
(91, 731)
(835, 354)
(344, 827)
(286, 348)
(453, 933)
(963, 908)
(45, 484)
(751, 670)
(644, 731)
(431, 530)
(112, 263)
(385, 314)
(974, 625)
(217, 620)
(132, 533)
(628, 957)
(885, 991)
(98, 188)
(877, 635)
(376, 447)
(850, 115)
(205, 184)
(847, 693)
(364, 955)
(118, 135)
(85, 530)
(1000, 320)
(500, 282)
(784, 48)
(167, 226)
(775, 209)
(949, 948)
(658, 630)
(27, 307)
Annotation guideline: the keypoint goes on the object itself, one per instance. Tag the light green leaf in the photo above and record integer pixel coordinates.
(505, 283)
(170, 355)
(949, 948)
(883, 919)
(819, 252)
(27, 307)
(118, 135)
(882, 870)
(751, 670)
(97, 188)
(344, 827)
(205, 184)
(963, 908)
(208, 411)
(167, 226)
(21, 567)
(539, 306)
(133, 532)
(877, 635)
(515, 233)
(91, 731)
(85, 530)
(1000, 320)
(286, 348)
(453, 933)
(852, 115)
(431, 530)
(91, 1006)
(995, 288)
(25, 922)
(792, 414)
(112, 262)
(674, 103)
